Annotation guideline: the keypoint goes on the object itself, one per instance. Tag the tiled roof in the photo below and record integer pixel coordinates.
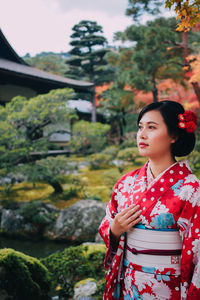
(31, 72)
(10, 62)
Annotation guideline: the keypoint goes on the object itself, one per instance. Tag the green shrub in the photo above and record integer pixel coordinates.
(37, 213)
(194, 160)
(49, 170)
(111, 151)
(89, 137)
(72, 265)
(131, 122)
(110, 177)
(128, 154)
(126, 144)
(70, 191)
(23, 277)
(100, 288)
(98, 161)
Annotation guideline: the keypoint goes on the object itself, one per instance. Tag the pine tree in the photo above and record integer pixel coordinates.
(87, 61)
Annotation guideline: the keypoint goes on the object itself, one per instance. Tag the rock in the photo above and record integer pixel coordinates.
(86, 298)
(85, 288)
(80, 222)
(13, 224)
(55, 298)
(118, 162)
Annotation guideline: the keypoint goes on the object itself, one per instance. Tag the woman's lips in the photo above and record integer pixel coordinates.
(143, 145)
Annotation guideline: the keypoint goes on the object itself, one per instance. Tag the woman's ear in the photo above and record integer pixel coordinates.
(174, 139)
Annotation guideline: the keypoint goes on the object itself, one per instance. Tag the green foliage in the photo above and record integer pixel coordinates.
(131, 122)
(48, 170)
(98, 161)
(128, 154)
(194, 160)
(157, 54)
(72, 265)
(126, 144)
(23, 277)
(71, 191)
(110, 177)
(23, 121)
(150, 56)
(137, 7)
(116, 101)
(52, 63)
(187, 11)
(89, 137)
(100, 288)
(87, 61)
(36, 212)
(111, 151)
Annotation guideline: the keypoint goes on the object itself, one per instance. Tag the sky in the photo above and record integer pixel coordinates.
(34, 26)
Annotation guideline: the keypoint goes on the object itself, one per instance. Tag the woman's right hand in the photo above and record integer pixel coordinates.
(126, 219)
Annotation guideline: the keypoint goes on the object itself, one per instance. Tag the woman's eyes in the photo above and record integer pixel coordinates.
(149, 127)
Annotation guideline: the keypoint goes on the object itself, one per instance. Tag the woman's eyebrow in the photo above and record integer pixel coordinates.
(150, 122)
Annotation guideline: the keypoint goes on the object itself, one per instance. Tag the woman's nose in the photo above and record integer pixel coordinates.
(142, 133)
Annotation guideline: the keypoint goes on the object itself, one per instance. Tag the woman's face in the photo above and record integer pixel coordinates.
(153, 139)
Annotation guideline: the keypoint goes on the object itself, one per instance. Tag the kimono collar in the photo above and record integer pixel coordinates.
(160, 185)
(150, 178)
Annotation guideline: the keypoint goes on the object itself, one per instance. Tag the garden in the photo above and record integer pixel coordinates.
(46, 197)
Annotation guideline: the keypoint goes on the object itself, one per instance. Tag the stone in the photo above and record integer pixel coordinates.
(85, 288)
(80, 222)
(13, 224)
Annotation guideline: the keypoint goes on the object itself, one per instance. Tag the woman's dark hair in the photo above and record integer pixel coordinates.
(170, 110)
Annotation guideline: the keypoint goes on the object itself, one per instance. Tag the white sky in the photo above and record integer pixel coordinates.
(33, 26)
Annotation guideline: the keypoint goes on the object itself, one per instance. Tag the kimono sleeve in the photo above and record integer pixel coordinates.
(104, 229)
(111, 211)
(190, 261)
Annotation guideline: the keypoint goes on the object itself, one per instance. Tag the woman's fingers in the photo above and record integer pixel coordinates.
(131, 219)
(129, 210)
(124, 220)
(133, 223)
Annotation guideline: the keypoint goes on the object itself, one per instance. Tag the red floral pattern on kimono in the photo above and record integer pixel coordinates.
(171, 202)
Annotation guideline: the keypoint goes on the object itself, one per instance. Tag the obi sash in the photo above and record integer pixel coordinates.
(154, 248)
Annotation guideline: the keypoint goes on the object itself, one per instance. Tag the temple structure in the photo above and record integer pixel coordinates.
(18, 78)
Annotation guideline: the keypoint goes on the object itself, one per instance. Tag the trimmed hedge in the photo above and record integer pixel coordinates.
(23, 277)
(74, 264)
(98, 161)
(128, 154)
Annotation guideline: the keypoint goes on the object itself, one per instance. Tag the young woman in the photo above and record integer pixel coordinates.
(152, 222)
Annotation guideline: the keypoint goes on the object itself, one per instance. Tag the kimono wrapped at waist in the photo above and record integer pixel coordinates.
(154, 248)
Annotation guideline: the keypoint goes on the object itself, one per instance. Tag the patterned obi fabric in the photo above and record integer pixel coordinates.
(160, 249)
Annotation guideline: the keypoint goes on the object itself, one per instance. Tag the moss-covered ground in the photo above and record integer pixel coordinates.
(91, 181)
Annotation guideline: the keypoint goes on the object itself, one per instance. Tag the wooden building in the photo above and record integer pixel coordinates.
(18, 78)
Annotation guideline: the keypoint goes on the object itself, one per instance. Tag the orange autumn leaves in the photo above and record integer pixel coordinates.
(168, 89)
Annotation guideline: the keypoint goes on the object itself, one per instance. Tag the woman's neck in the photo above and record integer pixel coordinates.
(158, 166)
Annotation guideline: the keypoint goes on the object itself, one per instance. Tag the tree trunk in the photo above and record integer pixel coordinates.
(94, 115)
(155, 91)
(196, 88)
(195, 85)
(122, 124)
(56, 186)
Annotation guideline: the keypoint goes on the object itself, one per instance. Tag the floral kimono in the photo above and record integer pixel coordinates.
(170, 202)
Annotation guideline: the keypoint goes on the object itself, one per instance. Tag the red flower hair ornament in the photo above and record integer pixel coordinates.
(188, 121)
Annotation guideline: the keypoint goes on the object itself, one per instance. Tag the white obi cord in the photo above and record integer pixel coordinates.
(163, 248)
